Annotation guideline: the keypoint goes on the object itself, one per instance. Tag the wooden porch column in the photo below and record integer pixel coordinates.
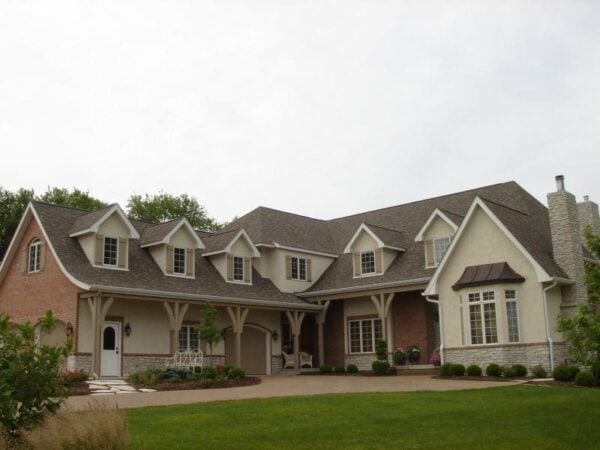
(295, 319)
(320, 319)
(98, 310)
(382, 305)
(238, 318)
(176, 312)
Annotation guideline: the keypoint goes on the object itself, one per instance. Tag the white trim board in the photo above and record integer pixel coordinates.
(133, 234)
(182, 222)
(436, 213)
(364, 227)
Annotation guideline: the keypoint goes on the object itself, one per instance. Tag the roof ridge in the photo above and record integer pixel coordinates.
(290, 213)
(383, 228)
(505, 206)
(41, 202)
(451, 212)
(218, 233)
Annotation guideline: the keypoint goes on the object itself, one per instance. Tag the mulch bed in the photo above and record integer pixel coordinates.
(79, 389)
(196, 384)
(560, 384)
(481, 378)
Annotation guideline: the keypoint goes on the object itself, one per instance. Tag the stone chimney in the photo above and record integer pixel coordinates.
(587, 212)
(567, 241)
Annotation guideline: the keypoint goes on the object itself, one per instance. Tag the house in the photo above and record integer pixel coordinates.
(479, 276)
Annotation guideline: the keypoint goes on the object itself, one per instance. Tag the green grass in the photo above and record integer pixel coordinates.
(531, 417)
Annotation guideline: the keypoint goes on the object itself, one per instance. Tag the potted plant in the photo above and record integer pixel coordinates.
(414, 353)
(436, 359)
(399, 357)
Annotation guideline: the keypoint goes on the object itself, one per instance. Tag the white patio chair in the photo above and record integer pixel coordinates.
(289, 360)
(305, 360)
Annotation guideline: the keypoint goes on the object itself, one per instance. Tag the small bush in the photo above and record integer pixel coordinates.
(584, 378)
(75, 376)
(101, 428)
(399, 358)
(325, 369)
(209, 373)
(508, 372)
(351, 368)
(381, 350)
(520, 370)
(474, 370)
(340, 370)
(564, 372)
(380, 367)
(446, 369)
(458, 370)
(493, 370)
(539, 371)
(146, 377)
(234, 373)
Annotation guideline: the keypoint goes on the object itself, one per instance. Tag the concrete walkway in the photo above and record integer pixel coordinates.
(285, 386)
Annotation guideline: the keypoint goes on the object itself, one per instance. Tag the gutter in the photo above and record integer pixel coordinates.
(215, 298)
(439, 305)
(364, 287)
(547, 323)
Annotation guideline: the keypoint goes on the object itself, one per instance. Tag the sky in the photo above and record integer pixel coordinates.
(323, 108)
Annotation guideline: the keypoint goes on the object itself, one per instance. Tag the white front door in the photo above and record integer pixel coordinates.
(110, 364)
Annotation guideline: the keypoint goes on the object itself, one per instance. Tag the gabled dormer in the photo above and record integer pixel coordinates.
(231, 252)
(436, 235)
(173, 245)
(104, 237)
(373, 249)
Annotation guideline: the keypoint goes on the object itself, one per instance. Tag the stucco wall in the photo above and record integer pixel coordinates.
(438, 229)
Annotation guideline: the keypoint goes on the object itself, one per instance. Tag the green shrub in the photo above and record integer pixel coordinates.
(234, 373)
(75, 376)
(381, 350)
(596, 371)
(493, 370)
(351, 368)
(564, 372)
(509, 372)
(446, 369)
(520, 370)
(340, 370)
(209, 373)
(584, 378)
(399, 358)
(539, 371)
(325, 369)
(380, 367)
(458, 370)
(146, 377)
(474, 370)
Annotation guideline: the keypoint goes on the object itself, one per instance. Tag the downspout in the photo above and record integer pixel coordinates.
(439, 305)
(547, 323)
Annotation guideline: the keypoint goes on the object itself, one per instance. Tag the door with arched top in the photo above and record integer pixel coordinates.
(110, 364)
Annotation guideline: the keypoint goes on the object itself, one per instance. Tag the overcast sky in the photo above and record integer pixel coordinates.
(323, 108)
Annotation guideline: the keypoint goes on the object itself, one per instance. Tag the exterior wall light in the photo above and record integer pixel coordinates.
(128, 329)
(275, 335)
(69, 329)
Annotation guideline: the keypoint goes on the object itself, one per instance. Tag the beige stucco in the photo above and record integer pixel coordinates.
(364, 242)
(438, 229)
(113, 227)
(88, 242)
(482, 242)
(181, 239)
(272, 265)
(239, 248)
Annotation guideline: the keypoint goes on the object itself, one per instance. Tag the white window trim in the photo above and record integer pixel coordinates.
(233, 278)
(116, 266)
(368, 274)
(516, 302)
(482, 318)
(434, 264)
(37, 244)
(180, 274)
(188, 327)
(297, 258)
(360, 321)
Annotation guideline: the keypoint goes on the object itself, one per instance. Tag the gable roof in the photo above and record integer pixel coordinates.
(162, 233)
(384, 237)
(90, 221)
(444, 215)
(223, 242)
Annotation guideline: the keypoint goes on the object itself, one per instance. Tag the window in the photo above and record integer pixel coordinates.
(512, 315)
(188, 338)
(179, 260)
(34, 259)
(110, 251)
(298, 268)
(440, 246)
(482, 317)
(287, 339)
(363, 335)
(367, 262)
(238, 268)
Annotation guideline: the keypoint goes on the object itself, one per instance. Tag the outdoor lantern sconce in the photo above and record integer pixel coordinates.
(69, 329)
(275, 335)
(128, 329)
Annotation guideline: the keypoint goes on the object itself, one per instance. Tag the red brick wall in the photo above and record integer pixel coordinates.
(27, 297)
(412, 323)
(333, 334)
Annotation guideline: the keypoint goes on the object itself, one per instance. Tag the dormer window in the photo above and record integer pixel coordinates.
(179, 260)
(435, 249)
(367, 262)
(238, 268)
(111, 246)
(298, 268)
(34, 257)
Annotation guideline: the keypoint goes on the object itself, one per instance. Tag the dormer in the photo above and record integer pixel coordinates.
(172, 245)
(436, 235)
(373, 249)
(231, 253)
(104, 237)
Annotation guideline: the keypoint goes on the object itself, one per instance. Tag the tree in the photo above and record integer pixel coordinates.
(12, 206)
(209, 331)
(74, 199)
(163, 207)
(31, 384)
(582, 330)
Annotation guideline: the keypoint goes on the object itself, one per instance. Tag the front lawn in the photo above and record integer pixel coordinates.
(505, 417)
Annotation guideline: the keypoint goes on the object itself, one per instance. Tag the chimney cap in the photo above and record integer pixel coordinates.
(560, 182)
(586, 198)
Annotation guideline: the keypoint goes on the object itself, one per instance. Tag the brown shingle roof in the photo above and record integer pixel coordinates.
(217, 242)
(157, 233)
(87, 219)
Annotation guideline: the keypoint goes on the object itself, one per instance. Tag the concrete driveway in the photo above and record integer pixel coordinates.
(281, 386)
